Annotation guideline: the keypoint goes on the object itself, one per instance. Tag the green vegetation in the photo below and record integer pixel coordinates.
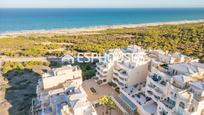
(88, 70)
(22, 80)
(55, 64)
(34, 50)
(18, 66)
(20, 83)
(187, 39)
(107, 102)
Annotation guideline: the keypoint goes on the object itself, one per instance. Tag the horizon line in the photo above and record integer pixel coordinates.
(98, 7)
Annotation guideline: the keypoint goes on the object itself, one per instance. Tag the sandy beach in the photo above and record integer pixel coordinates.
(90, 30)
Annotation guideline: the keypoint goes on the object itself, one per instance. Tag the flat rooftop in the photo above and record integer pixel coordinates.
(100, 90)
(187, 68)
(65, 68)
(60, 71)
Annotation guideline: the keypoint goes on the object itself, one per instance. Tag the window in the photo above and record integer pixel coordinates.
(182, 105)
(192, 109)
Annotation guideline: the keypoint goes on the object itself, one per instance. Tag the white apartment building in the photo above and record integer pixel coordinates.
(57, 76)
(166, 57)
(128, 69)
(171, 87)
(59, 92)
(105, 66)
(71, 101)
(191, 101)
(169, 84)
(125, 67)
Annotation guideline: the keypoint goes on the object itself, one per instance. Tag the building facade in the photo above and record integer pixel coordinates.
(125, 67)
(59, 92)
(156, 82)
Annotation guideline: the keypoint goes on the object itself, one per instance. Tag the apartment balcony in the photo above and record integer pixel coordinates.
(199, 97)
(182, 86)
(125, 66)
(173, 88)
(102, 66)
(101, 71)
(187, 99)
(121, 73)
(122, 80)
(98, 69)
(156, 92)
(168, 104)
(141, 98)
(99, 64)
(161, 71)
(134, 89)
(155, 86)
(157, 81)
(117, 82)
(116, 70)
(99, 75)
(185, 96)
(150, 93)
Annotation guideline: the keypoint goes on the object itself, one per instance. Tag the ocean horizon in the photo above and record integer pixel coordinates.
(14, 20)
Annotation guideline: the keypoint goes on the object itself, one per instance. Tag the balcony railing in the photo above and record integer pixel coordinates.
(100, 75)
(161, 71)
(169, 103)
(118, 82)
(157, 81)
(101, 72)
(120, 73)
(101, 65)
(122, 80)
(156, 91)
(125, 66)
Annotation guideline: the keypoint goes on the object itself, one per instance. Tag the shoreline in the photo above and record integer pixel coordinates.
(85, 30)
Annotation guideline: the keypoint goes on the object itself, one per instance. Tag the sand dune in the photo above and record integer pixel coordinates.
(91, 30)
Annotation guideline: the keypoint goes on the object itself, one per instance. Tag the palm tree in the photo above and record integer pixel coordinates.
(107, 102)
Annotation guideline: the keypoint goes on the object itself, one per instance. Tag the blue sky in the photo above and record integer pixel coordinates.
(99, 3)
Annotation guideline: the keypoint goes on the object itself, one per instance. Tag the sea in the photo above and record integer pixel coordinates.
(14, 20)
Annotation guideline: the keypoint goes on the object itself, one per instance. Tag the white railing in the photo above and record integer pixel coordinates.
(119, 106)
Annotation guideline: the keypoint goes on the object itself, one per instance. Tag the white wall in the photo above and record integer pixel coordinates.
(49, 82)
(138, 74)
